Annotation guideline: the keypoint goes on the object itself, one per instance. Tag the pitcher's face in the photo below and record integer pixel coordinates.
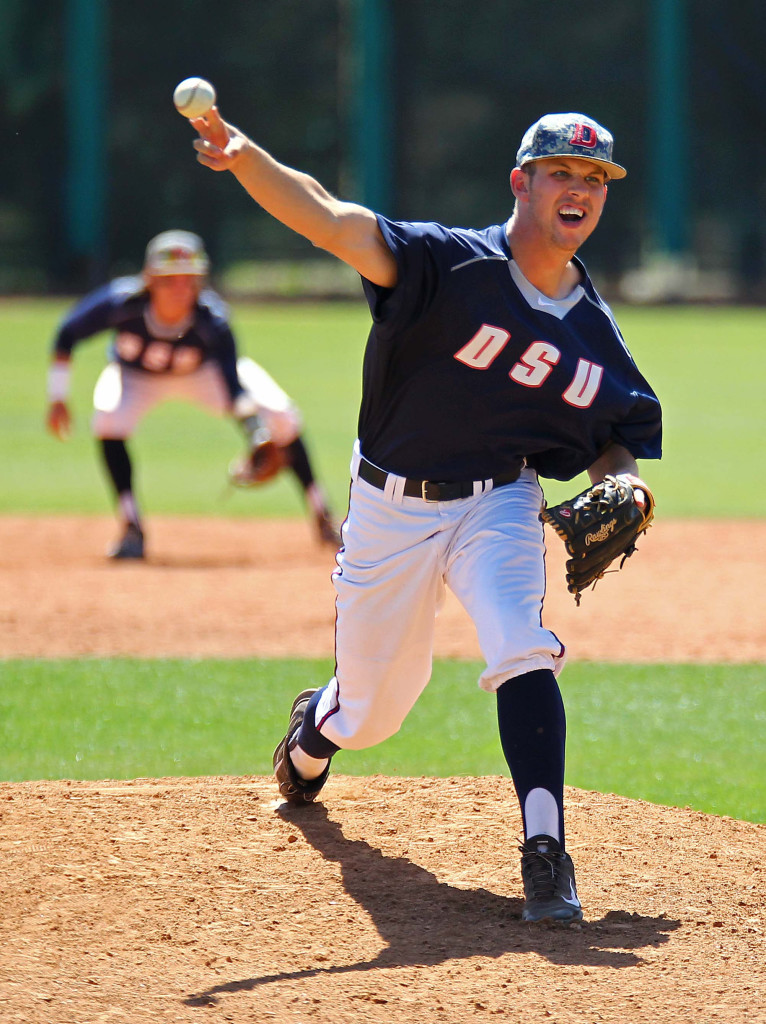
(563, 198)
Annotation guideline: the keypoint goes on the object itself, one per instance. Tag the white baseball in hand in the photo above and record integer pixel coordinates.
(194, 97)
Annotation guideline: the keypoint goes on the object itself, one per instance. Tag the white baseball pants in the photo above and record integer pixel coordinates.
(398, 555)
(122, 397)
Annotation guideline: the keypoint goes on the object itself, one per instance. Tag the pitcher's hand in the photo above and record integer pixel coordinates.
(220, 145)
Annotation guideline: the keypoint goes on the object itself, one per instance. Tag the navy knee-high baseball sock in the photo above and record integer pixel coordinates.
(299, 462)
(118, 464)
(120, 471)
(532, 723)
(310, 742)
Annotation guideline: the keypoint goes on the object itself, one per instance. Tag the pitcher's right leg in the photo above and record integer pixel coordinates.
(388, 588)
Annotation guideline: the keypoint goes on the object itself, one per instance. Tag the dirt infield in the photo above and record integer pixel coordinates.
(398, 900)
(194, 900)
(236, 588)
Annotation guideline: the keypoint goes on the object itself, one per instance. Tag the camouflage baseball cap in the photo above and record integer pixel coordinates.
(562, 135)
(176, 252)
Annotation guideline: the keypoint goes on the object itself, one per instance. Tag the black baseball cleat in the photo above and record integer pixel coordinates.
(549, 882)
(292, 787)
(131, 544)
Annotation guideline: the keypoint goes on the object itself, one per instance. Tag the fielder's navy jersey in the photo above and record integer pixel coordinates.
(138, 342)
(469, 369)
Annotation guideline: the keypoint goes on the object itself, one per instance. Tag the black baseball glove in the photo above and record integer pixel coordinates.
(600, 525)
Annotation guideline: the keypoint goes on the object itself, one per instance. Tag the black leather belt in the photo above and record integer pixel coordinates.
(431, 490)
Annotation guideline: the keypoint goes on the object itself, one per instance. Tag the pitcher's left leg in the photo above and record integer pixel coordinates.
(498, 572)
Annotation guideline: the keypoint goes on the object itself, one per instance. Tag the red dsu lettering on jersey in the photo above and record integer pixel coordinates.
(584, 135)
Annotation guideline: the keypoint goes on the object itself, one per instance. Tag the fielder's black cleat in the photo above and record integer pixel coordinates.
(131, 545)
(549, 882)
(292, 787)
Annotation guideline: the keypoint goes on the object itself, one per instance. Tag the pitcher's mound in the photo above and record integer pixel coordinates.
(190, 900)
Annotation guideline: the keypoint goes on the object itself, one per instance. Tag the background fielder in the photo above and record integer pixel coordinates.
(172, 339)
(491, 361)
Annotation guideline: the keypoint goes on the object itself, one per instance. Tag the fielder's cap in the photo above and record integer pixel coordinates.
(563, 135)
(176, 252)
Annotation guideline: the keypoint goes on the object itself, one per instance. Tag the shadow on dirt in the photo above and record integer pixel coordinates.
(423, 921)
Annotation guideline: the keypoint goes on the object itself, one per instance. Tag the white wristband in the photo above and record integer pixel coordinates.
(58, 381)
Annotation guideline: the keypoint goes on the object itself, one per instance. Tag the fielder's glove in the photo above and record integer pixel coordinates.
(261, 462)
(599, 525)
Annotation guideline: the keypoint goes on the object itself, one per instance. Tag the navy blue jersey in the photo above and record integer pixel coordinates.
(469, 368)
(123, 307)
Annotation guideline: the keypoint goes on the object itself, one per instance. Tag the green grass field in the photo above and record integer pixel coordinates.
(671, 734)
(707, 366)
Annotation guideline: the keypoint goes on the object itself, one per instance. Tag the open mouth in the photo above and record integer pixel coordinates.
(571, 214)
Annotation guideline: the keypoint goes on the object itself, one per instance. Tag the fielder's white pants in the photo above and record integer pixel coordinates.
(122, 397)
(399, 554)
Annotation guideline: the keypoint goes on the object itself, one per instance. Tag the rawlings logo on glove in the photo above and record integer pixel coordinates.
(600, 525)
(601, 534)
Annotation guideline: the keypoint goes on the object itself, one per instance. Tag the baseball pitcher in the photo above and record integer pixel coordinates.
(491, 363)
